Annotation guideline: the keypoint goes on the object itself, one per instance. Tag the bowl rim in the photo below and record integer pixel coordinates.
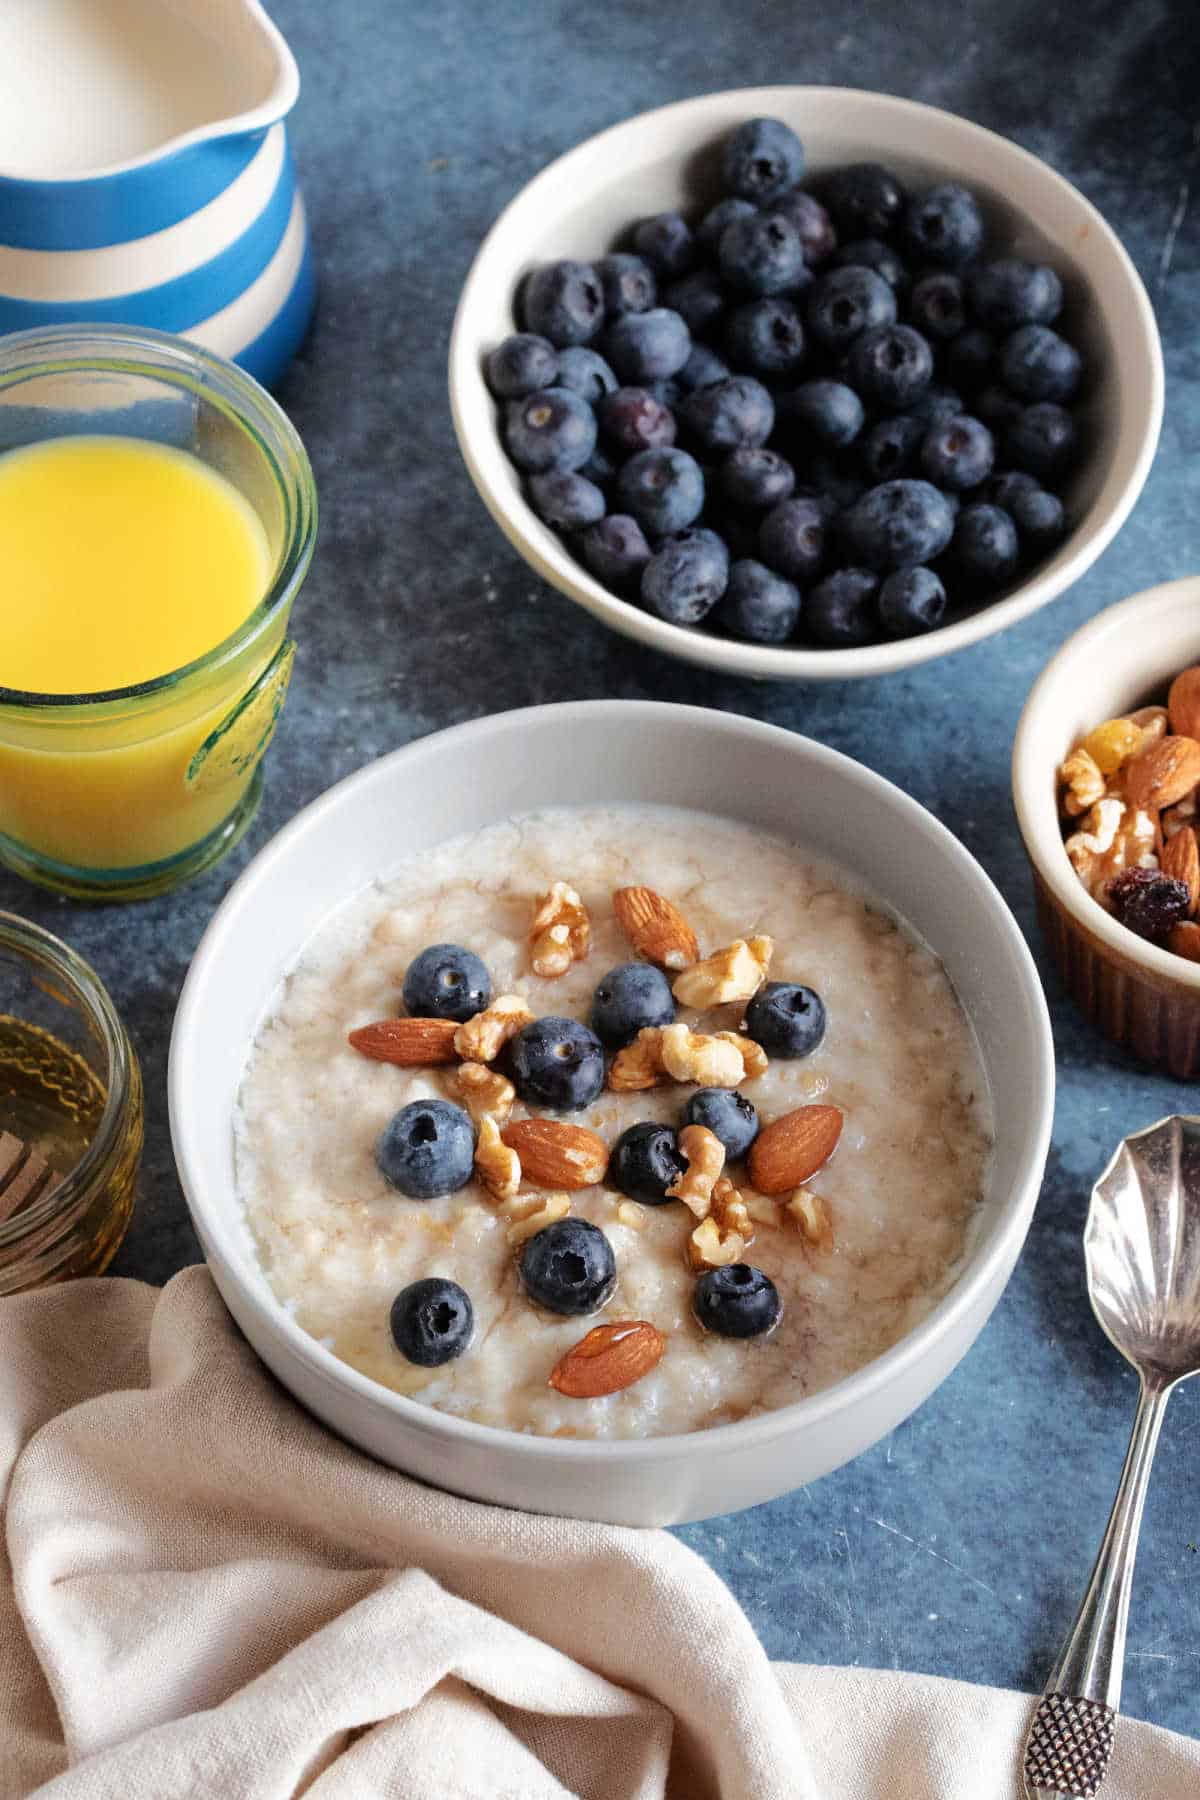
(547, 557)
(947, 1316)
(1043, 845)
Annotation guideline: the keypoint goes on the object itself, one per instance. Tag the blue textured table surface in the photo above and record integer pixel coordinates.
(962, 1544)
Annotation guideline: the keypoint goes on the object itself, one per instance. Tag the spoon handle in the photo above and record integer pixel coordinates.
(1070, 1739)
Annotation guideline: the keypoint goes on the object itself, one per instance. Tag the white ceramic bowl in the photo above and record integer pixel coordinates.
(608, 752)
(583, 203)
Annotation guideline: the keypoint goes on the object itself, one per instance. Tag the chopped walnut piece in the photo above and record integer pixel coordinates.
(709, 1249)
(638, 1065)
(1183, 813)
(1083, 781)
(498, 1167)
(754, 1058)
(560, 933)
(1113, 837)
(532, 1213)
(763, 1210)
(734, 973)
(482, 1038)
(705, 1156)
(813, 1214)
(484, 1092)
(689, 1055)
(730, 1210)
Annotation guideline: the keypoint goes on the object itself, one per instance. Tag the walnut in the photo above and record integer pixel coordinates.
(498, 1167)
(560, 933)
(705, 1156)
(734, 973)
(1083, 781)
(726, 1234)
(532, 1213)
(484, 1093)
(762, 1209)
(482, 1038)
(1111, 838)
(689, 1055)
(754, 1058)
(1174, 818)
(813, 1214)
(638, 1065)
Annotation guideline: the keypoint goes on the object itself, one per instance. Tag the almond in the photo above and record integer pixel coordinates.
(1163, 774)
(656, 929)
(790, 1149)
(1184, 940)
(557, 1155)
(609, 1358)
(1181, 860)
(1183, 703)
(409, 1043)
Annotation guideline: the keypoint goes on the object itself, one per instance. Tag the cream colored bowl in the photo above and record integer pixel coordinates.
(611, 752)
(1138, 994)
(582, 204)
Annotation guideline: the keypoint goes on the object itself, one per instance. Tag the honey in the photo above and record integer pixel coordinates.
(49, 1096)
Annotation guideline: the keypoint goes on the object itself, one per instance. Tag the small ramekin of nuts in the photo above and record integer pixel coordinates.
(1106, 779)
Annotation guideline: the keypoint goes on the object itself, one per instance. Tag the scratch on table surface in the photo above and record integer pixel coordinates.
(1177, 218)
(936, 1554)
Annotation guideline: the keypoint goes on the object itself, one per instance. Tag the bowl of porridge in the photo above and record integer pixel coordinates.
(620, 1109)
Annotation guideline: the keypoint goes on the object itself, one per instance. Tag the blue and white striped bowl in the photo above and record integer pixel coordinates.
(205, 238)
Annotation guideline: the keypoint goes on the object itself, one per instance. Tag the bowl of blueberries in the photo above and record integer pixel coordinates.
(805, 382)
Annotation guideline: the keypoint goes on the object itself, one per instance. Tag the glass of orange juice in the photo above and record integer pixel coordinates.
(157, 518)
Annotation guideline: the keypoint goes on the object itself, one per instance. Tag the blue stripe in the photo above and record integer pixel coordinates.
(115, 209)
(175, 305)
(268, 355)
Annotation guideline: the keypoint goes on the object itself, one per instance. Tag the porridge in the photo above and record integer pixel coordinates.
(806, 1251)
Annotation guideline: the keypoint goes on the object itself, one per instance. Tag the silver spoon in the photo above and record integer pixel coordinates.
(1142, 1244)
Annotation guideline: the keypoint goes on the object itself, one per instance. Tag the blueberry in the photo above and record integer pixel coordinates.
(1037, 364)
(646, 1160)
(1039, 518)
(432, 1321)
(935, 404)
(666, 243)
(446, 982)
(985, 545)
(890, 448)
(937, 306)
(729, 414)
(891, 366)
(823, 412)
(997, 407)
(811, 220)
(911, 601)
(761, 255)
(647, 346)
(847, 301)
(765, 337)
(737, 1301)
(897, 523)
(564, 302)
(549, 429)
(755, 479)
(703, 368)
(569, 1267)
(872, 253)
(727, 1114)
(758, 605)
(866, 200)
(628, 998)
(1042, 439)
(958, 454)
(616, 552)
(971, 358)
(663, 489)
(945, 225)
(668, 393)
(557, 1063)
(708, 232)
(1008, 291)
(632, 419)
(841, 611)
(786, 1018)
(586, 373)
(761, 159)
(627, 283)
(791, 538)
(599, 468)
(1003, 489)
(427, 1148)
(566, 501)
(698, 298)
(521, 364)
(686, 577)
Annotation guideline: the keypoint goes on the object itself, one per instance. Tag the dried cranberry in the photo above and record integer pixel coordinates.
(1147, 901)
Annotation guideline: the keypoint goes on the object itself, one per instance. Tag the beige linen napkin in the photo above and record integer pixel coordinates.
(212, 1596)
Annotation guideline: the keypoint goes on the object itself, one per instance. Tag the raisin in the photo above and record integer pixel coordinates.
(1147, 901)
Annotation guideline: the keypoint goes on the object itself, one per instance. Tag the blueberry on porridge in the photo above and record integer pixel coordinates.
(711, 1138)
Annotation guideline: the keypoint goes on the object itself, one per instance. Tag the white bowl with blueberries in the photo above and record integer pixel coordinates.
(848, 383)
